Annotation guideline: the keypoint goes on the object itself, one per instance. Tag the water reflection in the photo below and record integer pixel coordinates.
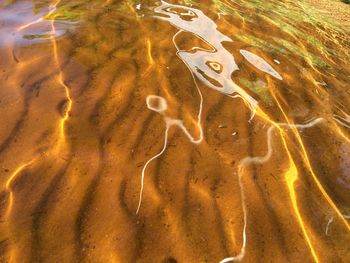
(213, 67)
(115, 107)
(22, 25)
(260, 63)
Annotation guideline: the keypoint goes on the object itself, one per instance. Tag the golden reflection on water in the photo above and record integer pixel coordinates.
(182, 131)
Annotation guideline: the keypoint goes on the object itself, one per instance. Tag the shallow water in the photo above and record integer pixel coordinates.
(182, 131)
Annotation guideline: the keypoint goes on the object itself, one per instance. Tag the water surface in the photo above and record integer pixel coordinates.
(180, 131)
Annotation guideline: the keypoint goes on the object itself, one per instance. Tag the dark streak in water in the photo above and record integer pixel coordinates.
(41, 211)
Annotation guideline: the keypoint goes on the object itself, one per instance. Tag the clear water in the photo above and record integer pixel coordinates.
(182, 131)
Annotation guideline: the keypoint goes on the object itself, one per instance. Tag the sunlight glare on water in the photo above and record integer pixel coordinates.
(174, 131)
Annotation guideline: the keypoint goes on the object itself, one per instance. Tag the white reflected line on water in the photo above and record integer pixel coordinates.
(215, 43)
(169, 123)
(260, 160)
(148, 162)
(240, 93)
(195, 48)
(303, 126)
(199, 117)
(245, 162)
(329, 222)
(264, 66)
(252, 104)
(174, 37)
(241, 254)
(341, 120)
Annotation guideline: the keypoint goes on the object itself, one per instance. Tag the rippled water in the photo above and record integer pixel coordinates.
(182, 131)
